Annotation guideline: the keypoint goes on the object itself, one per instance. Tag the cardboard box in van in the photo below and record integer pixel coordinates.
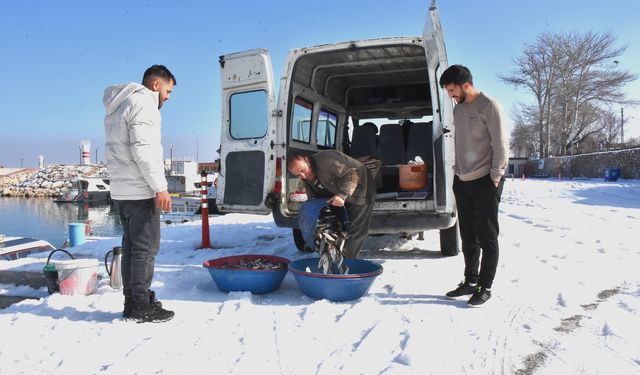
(375, 98)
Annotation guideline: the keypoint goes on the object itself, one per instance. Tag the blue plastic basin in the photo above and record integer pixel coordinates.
(245, 279)
(336, 288)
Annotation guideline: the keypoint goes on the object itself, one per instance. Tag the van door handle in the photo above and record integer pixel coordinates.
(446, 130)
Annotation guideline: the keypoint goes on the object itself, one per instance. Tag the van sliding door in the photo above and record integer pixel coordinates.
(247, 132)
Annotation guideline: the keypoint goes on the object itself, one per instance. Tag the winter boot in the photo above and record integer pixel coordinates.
(128, 303)
(149, 313)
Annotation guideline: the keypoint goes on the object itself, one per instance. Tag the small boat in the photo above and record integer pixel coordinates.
(87, 189)
(188, 207)
(12, 248)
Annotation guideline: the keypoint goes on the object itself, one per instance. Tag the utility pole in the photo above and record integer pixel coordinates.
(97, 155)
(621, 125)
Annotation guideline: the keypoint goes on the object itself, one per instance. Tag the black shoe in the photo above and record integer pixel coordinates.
(463, 289)
(128, 304)
(150, 313)
(479, 297)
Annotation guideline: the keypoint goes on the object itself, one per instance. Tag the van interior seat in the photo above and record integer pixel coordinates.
(419, 142)
(364, 141)
(391, 151)
(391, 145)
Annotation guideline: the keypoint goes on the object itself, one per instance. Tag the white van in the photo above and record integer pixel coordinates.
(327, 93)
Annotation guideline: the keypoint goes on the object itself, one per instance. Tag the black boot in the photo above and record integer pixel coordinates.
(149, 313)
(128, 304)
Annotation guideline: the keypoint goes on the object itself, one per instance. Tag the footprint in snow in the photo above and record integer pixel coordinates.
(561, 301)
(606, 330)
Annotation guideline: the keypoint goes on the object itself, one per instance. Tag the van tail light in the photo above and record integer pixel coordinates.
(278, 187)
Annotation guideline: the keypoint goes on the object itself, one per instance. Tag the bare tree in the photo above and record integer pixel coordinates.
(536, 70)
(524, 136)
(574, 78)
(610, 130)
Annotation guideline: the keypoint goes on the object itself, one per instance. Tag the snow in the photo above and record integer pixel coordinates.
(566, 300)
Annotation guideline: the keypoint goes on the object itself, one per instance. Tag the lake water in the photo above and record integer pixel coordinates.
(44, 219)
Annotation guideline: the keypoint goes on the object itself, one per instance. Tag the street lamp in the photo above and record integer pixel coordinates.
(171, 159)
(197, 146)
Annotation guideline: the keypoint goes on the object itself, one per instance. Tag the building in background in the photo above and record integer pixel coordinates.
(182, 176)
(210, 167)
(516, 167)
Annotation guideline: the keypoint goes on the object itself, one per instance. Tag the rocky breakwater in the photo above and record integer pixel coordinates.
(47, 182)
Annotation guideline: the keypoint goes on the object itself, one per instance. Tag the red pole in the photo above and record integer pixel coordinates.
(206, 244)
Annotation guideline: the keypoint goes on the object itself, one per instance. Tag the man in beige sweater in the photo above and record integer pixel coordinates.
(482, 154)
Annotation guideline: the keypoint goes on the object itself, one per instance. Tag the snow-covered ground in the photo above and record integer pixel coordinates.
(566, 301)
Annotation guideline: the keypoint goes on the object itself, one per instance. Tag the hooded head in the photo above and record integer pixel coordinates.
(116, 94)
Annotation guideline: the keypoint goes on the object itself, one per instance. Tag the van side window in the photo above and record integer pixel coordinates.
(326, 129)
(301, 120)
(248, 114)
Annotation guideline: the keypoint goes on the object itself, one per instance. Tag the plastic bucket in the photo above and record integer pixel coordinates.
(413, 176)
(337, 288)
(76, 234)
(51, 274)
(77, 276)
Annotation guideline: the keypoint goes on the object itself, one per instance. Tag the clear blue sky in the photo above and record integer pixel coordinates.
(56, 57)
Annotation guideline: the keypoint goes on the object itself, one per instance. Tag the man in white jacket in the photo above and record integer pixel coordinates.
(138, 184)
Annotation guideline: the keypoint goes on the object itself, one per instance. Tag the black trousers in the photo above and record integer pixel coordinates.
(358, 231)
(140, 243)
(477, 202)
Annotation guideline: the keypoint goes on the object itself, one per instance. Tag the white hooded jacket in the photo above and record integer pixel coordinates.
(132, 135)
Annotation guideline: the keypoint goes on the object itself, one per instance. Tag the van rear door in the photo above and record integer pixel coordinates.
(443, 146)
(248, 130)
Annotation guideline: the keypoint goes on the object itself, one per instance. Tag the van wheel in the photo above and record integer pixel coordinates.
(449, 241)
(299, 241)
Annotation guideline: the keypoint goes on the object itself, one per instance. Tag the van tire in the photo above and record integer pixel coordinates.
(299, 241)
(449, 245)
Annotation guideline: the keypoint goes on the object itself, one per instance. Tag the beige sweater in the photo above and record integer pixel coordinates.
(481, 143)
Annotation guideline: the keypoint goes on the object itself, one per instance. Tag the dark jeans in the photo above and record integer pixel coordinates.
(140, 243)
(477, 202)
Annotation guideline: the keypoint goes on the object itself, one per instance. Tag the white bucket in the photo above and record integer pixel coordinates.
(77, 276)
